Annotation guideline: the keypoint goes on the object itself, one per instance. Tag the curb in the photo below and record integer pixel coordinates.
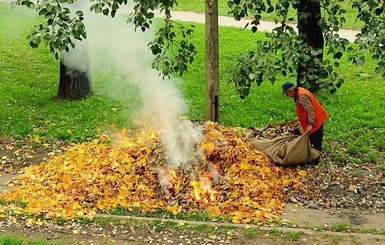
(251, 226)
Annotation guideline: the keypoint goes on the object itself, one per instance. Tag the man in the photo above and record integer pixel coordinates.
(310, 113)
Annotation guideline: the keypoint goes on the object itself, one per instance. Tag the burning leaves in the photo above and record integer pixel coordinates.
(229, 178)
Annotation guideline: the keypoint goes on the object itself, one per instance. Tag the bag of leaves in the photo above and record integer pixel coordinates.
(287, 150)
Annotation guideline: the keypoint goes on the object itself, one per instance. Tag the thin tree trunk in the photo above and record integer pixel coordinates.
(311, 33)
(212, 61)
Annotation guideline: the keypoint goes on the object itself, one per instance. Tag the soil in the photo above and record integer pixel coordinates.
(147, 233)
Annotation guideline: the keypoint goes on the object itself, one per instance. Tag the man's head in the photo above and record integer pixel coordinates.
(289, 89)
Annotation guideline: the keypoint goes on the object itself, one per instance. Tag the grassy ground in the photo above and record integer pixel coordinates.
(223, 9)
(29, 78)
(11, 240)
(28, 85)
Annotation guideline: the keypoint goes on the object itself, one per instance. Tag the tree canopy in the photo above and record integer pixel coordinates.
(284, 49)
(63, 22)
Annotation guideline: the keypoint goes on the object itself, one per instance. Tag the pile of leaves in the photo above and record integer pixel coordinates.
(230, 179)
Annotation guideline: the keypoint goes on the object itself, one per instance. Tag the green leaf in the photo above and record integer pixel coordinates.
(150, 15)
(379, 11)
(106, 11)
(337, 55)
(360, 61)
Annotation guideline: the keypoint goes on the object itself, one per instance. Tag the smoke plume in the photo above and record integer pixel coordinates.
(117, 50)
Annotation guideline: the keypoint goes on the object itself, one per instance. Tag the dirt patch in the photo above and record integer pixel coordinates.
(15, 155)
(158, 232)
(307, 217)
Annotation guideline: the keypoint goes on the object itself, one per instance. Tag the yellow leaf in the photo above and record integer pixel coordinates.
(80, 214)
(136, 204)
(237, 217)
(30, 222)
(39, 222)
(175, 209)
(244, 166)
(36, 138)
(208, 147)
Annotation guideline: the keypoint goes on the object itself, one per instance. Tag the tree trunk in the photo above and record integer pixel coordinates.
(311, 33)
(73, 84)
(212, 61)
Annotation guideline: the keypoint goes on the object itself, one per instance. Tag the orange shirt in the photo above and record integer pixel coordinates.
(319, 111)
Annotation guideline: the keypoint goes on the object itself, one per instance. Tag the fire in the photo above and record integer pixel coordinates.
(202, 191)
(199, 191)
(170, 181)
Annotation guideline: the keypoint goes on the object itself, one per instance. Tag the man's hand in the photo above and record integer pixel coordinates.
(309, 128)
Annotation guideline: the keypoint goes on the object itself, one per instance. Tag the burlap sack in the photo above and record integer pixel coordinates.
(287, 150)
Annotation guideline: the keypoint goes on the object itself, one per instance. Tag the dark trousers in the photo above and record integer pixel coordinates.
(316, 138)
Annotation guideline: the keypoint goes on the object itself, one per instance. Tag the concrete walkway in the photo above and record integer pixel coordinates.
(4, 180)
(264, 26)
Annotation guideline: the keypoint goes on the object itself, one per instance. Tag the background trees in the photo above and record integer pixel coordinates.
(310, 54)
(287, 51)
(63, 23)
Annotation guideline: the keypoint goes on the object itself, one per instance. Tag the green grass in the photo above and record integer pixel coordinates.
(13, 240)
(355, 130)
(198, 6)
(251, 233)
(341, 227)
(28, 85)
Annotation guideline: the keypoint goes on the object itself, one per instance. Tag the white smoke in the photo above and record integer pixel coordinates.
(76, 60)
(116, 49)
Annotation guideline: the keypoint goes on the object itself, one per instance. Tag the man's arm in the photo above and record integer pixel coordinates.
(305, 102)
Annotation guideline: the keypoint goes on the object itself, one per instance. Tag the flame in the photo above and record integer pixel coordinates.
(202, 191)
(170, 180)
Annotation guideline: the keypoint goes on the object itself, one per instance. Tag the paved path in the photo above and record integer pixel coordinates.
(4, 180)
(231, 22)
(264, 26)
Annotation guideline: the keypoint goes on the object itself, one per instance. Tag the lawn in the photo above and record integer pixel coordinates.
(355, 129)
(223, 9)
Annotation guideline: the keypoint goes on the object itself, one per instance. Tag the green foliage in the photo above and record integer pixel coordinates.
(279, 54)
(58, 28)
(293, 50)
(169, 62)
(372, 36)
(171, 47)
